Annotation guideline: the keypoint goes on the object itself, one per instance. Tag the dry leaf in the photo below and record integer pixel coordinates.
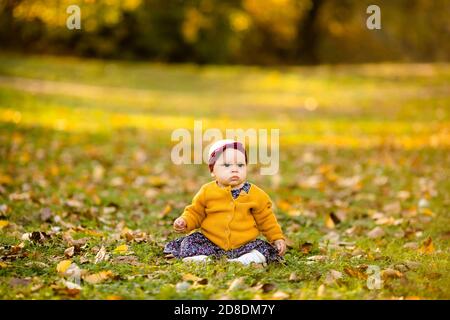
(46, 214)
(236, 284)
(280, 295)
(267, 287)
(317, 258)
(293, 277)
(306, 247)
(355, 273)
(3, 223)
(98, 277)
(73, 203)
(133, 260)
(166, 211)
(376, 233)
(321, 290)
(194, 279)
(391, 273)
(63, 266)
(411, 245)
(121, 249)
(329, 223)
(69, 252)
(392, 208)
(427, 246)
(332, 276)
(100, 256)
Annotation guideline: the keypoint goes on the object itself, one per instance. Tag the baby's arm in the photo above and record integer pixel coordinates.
(193, 214)
(267, 221)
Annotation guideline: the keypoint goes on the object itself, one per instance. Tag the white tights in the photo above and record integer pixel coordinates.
(253, 256)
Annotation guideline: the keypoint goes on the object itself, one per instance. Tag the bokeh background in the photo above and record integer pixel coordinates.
(86, 116)
(233, 31)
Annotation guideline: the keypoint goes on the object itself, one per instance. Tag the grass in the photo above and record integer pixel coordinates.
(354, 140)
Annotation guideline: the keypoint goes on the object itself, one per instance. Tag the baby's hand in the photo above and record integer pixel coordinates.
(281, 246)
(180, 225)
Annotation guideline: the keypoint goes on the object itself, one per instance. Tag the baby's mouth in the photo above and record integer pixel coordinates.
(234, 178)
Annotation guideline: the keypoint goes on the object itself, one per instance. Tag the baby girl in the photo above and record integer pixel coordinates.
(230, 213)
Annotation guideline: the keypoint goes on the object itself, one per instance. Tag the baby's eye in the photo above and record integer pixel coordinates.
(240, 165)
(226, 165)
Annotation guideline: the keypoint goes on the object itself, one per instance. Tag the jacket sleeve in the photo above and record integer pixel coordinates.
(194, 214)
(267, 221)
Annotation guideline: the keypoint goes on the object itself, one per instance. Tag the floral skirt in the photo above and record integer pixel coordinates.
(197, 244)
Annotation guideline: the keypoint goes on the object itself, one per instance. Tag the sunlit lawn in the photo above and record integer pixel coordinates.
(361, 147)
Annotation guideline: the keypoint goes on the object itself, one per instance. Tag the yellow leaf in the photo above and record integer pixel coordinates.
(98, 277)
(121, 249)
(3, 223)
(4, 179)
(427, 212)
(427, 246)
(63, 266)
(166, 210)
(3, 265)
(329, 223)
(280, 295)
(191, 277)
(93, 233)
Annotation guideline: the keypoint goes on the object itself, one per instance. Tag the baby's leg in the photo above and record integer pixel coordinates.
(196, 247)
(253, 256)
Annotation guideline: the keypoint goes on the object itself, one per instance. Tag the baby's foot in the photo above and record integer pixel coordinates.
(199, 258)
(253, 256)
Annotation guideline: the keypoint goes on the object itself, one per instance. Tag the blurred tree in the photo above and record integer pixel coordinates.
(231, 31)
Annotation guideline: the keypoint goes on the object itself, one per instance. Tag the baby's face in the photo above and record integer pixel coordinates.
(230, 168)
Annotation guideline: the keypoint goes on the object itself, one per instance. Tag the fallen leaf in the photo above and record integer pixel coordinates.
(46, 214)
(236, 284)
(18, 282)
(3, 223)
(306, 247)
(355, 273)
(317, 258)
(63, 266)
(427, 246)
(133, 260)
(321, 290)
(73, 203)
(413, 265)
(100, 256)
(121, 249)
(375, 233)
(391, 273)
(267, 287)
(332, 276)
(392, 208)
(329, 223)
(411, 245)
(166, 211)
(190, 277)
(98, 277)
(293, 277)
(280, 295)
(69, 252)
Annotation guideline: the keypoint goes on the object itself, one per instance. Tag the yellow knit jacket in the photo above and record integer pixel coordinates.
(231, 223)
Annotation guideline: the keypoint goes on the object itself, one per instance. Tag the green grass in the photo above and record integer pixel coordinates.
(99, 132)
